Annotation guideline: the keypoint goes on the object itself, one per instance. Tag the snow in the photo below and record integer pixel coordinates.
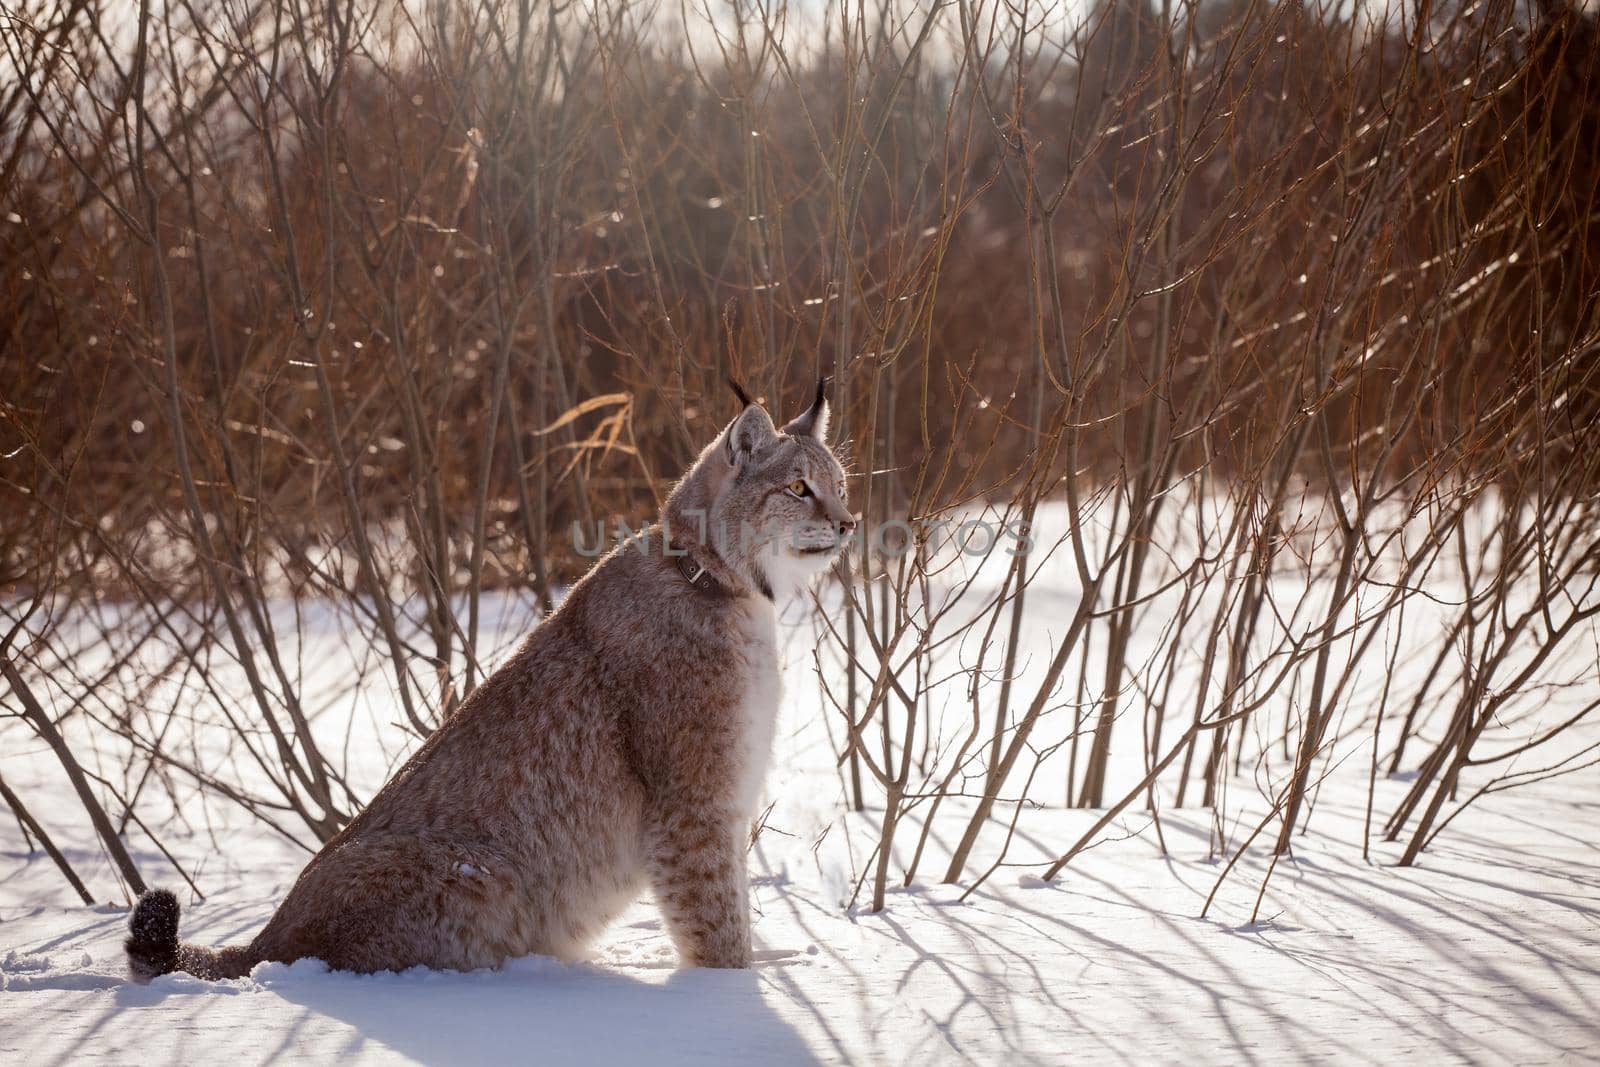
(1486, 955)
(1488, 952)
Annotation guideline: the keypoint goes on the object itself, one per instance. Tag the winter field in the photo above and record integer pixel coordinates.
(1486, 952)
(333, 335)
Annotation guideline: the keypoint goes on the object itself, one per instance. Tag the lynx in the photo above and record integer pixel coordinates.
(623, 746)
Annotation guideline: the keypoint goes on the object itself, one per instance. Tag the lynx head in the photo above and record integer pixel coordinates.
(769, 502)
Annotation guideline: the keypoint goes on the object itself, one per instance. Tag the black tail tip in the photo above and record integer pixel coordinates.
(152, 943)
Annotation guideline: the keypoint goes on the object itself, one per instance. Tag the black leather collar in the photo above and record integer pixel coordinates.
(703, 580)
(693, 573)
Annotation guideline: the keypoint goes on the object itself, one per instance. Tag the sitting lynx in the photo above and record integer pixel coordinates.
(623, 745)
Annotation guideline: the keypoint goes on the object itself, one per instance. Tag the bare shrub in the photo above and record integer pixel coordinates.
(1275, 328)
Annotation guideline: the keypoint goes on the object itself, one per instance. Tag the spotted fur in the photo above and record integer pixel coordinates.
(621, 747)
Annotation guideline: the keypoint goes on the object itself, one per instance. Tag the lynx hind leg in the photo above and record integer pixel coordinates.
(397, 902)
(697, 871)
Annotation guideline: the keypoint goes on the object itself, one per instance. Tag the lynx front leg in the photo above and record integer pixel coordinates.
(697, 869)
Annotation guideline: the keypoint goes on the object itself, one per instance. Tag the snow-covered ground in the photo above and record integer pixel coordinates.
(1488, 952)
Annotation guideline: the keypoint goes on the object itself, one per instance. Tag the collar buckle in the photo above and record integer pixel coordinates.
(693, 571)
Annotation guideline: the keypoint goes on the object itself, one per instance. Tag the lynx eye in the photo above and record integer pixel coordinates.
(798, 488)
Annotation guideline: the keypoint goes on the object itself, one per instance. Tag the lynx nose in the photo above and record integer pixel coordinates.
(847, 527)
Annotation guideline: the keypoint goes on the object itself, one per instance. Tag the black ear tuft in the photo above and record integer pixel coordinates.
(738, 391)
(813, 422)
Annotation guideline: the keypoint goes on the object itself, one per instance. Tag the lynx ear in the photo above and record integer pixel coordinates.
(813, 422)
(748, 434)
